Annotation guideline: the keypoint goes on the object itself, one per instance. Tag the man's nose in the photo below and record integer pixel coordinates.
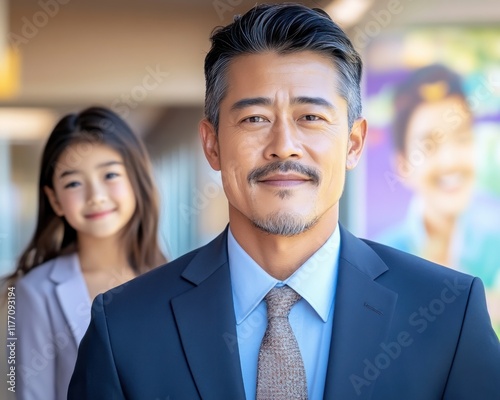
(284, 141)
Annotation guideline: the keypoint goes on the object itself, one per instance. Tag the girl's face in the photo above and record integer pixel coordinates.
(92, 190)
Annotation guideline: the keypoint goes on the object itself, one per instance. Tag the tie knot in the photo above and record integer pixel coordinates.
(280, 301)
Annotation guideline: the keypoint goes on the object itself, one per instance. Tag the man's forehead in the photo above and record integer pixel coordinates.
(304, 72)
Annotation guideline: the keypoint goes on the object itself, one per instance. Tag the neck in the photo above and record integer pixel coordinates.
(281, 256)
(439, 225)
(102, 254)
(440, 229)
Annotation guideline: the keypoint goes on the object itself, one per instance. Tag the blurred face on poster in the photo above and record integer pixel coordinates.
(435, 111)
(437, 156)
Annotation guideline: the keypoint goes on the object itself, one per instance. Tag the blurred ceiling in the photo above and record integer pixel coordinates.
(125, 52)
(118, 52)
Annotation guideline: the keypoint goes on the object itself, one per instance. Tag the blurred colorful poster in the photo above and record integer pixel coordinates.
(432, 100)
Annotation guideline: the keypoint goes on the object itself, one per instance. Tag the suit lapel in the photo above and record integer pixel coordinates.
(362, 318)
(72, 294)
(205, 319)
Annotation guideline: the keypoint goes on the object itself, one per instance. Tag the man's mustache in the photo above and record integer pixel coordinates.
(284, 166)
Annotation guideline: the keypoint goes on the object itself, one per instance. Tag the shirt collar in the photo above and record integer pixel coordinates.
(314, 280)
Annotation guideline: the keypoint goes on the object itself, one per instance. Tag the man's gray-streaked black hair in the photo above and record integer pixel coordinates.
(284, 29)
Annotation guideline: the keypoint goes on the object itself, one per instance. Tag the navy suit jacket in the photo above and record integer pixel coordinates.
(403, 329)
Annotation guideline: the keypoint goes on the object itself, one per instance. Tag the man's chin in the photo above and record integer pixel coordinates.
(284, 224)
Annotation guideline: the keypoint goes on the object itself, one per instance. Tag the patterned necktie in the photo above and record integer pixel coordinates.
(281, 373)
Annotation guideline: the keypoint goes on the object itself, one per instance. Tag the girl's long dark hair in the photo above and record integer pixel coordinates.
(53, 235)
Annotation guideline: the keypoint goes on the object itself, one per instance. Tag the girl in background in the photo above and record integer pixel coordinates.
(96, 229)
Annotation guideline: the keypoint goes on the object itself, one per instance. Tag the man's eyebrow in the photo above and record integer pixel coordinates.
(102, 165)
(252, 101)
(266, 101)
(318, 101)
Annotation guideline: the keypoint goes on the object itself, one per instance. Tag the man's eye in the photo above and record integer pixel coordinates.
(311, 118)
(254, 119)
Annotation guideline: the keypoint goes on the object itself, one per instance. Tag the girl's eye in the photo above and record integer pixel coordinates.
(111, 175)
(71, 185)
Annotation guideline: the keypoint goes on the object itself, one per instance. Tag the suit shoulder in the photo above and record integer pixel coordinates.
(412, 266)
(164, 280)
(39, 275)
(173, 277)
(36, 285)
(170, 270)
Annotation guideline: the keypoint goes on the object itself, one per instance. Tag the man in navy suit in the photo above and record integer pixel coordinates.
(283, 124)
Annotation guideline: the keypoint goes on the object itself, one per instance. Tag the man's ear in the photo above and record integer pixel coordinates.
(210, 143)
(54, 203)
(356, 142)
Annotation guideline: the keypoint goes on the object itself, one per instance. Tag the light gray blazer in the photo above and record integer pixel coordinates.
(52, 315)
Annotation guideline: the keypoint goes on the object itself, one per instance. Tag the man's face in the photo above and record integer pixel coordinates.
(283, 143)
(439, 155)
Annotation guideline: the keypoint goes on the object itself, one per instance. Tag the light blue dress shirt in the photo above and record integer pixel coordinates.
(311, 318)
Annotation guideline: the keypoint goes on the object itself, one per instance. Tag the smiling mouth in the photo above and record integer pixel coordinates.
(289, 180)
(452, 181)
(98, 215)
